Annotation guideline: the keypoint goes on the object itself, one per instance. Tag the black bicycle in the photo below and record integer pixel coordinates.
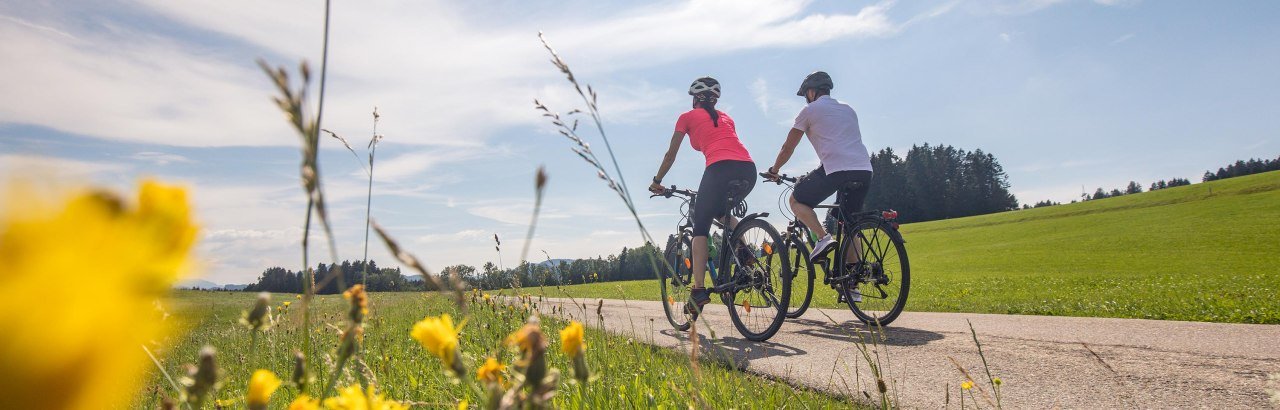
(871, 275)
(750, 277)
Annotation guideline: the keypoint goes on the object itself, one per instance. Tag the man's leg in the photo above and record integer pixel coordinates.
(807, 216)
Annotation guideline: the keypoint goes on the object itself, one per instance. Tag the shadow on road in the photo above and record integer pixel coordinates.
(735, 352)
(855, 331)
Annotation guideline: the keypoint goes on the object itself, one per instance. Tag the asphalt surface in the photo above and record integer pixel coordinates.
(1043, 361)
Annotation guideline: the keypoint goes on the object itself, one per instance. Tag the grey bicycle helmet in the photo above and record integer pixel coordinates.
(705, 86)
(819, 80)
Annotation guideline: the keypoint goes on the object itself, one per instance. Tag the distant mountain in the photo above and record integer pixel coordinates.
(412, 278)
(234, 287)
(555, 262)
(198, 284)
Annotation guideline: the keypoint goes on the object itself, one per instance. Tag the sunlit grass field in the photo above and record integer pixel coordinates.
(628, 374)
(1204, 252)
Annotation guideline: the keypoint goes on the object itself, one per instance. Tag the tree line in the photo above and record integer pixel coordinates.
(627, 264)
(938, 182)
(277, 279)
(1242, 168)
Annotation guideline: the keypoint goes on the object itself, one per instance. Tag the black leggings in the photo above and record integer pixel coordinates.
(713, 192)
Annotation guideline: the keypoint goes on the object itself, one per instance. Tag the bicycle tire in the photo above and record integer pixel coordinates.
(675, 276)
(802, 269)
(762, 276)
(885, 239)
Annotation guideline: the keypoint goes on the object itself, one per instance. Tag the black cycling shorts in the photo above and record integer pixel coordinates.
(817, 186)
(713, 192)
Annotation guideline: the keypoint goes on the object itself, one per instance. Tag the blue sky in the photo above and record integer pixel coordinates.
(1064, 93)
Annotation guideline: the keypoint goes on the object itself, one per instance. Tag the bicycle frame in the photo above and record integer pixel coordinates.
(722, 259)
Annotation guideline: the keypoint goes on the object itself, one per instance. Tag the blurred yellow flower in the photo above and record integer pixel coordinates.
(438, 336)
(304, 402)
(106, 264)
(352, 398)
(261, 385)
(491, 371)
(571, 339)
(287, 303)
(997, 381)
(966, 385)
(359, 299)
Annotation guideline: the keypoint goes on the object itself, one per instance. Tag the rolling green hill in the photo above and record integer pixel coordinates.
(1204, 252)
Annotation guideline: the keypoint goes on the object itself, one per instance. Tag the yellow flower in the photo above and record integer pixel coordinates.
(85, 276)
(304, 402)
(287, 303)
(359, 300)
(571, 339)
(491, 371)
(352, 398)
(438, 336)
(486, 297)
(966, 385)
(462, 405)
(997, 381)
(261, 385)
(522, 338)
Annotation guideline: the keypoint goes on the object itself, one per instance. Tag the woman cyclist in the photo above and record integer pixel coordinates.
(711, 132)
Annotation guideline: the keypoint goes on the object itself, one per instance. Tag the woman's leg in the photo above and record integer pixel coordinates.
(699, 261)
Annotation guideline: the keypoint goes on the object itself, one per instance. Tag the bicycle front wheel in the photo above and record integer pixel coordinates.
(883, 277)
(760, 279)
(675, 278)
(803, 274)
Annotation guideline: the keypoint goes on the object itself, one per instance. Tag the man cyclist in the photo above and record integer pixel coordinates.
(832, 128)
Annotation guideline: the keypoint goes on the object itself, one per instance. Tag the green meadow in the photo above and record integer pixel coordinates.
(626, 373)
(1203, 252)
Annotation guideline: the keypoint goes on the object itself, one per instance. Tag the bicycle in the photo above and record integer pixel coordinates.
(751, 280)
(874, 253)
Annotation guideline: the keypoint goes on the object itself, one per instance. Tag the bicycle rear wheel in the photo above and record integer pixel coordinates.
(675, 278)
(803, 273)
(760, 279)
(883, 277)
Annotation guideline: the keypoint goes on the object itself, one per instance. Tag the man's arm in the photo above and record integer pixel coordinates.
(788, 148)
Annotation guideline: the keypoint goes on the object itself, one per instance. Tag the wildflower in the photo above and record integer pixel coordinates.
(301, 376)
(261, 385)
(573, 346)
(359, 303)
(486, 297)
(966, 385)
(996, 381)
(352, 398)
(533, 347)
(440, 338)
(304, 402)
(490, 372)
(571, 339)
(106, 262)
(259, 318)
(286, 304)
(202, 378)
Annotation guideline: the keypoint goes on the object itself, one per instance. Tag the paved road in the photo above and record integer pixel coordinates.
(1044, 361)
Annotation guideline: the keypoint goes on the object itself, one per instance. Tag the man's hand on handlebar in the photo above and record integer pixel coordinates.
(771, 176)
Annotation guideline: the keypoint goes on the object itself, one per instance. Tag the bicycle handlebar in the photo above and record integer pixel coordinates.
(672, 190)
(781, 178)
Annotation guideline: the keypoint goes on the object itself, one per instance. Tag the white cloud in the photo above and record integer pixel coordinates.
(760, 92)
(439, 76)
(1005, 37)
(159, 158)
(1122, 39)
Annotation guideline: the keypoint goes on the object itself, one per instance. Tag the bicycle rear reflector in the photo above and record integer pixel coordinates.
(890, 214)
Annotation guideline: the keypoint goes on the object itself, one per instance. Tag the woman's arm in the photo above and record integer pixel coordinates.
(677, 137)
(788, 148)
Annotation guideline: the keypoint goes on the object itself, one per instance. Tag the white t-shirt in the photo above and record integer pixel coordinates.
(832, 128)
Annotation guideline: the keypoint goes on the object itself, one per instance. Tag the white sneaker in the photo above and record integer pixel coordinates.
(821, 247)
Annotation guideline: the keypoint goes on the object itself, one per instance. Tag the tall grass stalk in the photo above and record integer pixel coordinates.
(372, 148)
(293, 103)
